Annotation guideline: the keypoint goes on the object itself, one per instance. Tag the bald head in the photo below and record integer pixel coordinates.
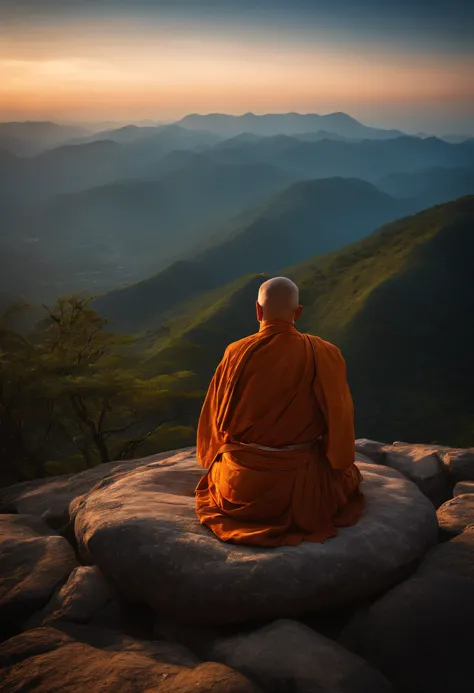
(278, 299)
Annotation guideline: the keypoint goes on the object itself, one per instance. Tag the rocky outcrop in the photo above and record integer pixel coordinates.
(34, 561)
(458, 462)
(85, 594)
(158, 595)
(141, 530)
(419, 634)
(50, 498)
(422, 464)
(463, 487)
(456, 514)
(48, 659)
(288, 657)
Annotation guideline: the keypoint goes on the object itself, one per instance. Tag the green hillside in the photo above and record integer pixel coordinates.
(198, 331)
(398, 303)
(305, 218)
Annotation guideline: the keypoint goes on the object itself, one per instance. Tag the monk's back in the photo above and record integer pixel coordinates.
(274, 400)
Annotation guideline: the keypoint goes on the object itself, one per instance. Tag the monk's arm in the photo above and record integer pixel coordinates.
(334, 395)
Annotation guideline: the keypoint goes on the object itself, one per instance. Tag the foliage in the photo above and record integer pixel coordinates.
(71, 394)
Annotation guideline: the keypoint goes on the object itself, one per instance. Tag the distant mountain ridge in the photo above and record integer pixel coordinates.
(323, 158)
(430, 186)
(30, 137)
(285, 123)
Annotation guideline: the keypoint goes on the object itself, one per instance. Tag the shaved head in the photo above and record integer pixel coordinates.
(278, 298)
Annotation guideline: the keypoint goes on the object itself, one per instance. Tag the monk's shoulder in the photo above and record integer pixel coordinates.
(236, 347)
(323, 343)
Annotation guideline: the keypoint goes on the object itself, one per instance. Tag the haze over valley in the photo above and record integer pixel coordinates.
(118, 206)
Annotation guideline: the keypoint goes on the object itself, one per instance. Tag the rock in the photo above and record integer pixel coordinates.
(207, 678)
(457, 514)
(288, 657)
(195, 637)
(114, 641)
(420, 463)
(373, 449)
(48, 659)
(83, 596)
(359, 457)
(419, 634)
(34, 561)
(141, 530)
(459, 462)
(463, 487)
(50, 498)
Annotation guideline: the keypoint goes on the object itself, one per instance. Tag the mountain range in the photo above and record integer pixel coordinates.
(101, 214)
(284, 123)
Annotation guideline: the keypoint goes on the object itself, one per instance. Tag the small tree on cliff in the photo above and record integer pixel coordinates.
(79, 390)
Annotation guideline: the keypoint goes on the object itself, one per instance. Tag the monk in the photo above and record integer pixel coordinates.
(276, 434)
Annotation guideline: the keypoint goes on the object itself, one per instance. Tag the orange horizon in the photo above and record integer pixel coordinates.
(109, 74)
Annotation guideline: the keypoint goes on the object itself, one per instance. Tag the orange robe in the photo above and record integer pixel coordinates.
(278, 388)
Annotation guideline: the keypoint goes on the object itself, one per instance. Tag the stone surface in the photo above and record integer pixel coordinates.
(459, 462)
(373, 449)
(82, 597)
(288, 657)
(420, 463)
(50, 498)
(114, 641)
(141, 530)
(359, 457)
(48, 659)
(34, 561)
(419, 634)
(457, 514)
(463, 487)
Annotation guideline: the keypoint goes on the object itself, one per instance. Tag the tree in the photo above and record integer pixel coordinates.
(73, 387)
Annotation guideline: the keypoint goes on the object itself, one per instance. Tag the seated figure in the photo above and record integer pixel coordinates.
(276, 434)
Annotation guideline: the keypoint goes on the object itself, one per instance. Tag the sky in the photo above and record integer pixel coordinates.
(389, 63)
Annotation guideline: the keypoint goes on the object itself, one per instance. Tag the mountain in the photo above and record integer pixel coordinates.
(169, 137)
(116, 234)
(98, 161)
(197, 336)
(307, 217)
(73, 168)
(456, 138)
(30, 138)
(65, 169)
(399, 304)
(430, 186)
(284, 123)
(322, 135)
(366, 159)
